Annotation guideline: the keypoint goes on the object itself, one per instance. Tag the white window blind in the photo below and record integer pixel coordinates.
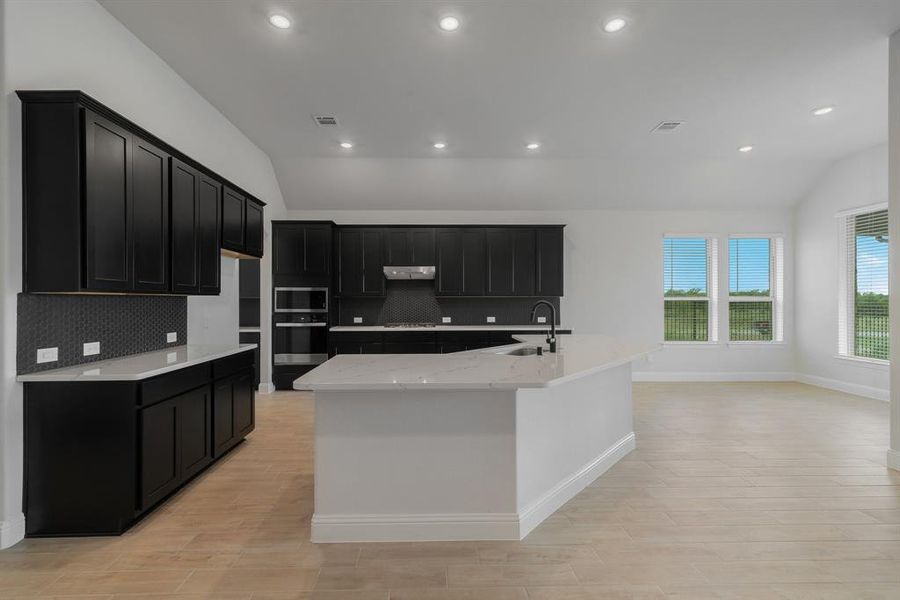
(863, 326)
(689, 289)
(755, 282)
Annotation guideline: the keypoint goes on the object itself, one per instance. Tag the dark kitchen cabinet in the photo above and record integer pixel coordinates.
(408, 247)
(549, 256)
(359, 261)
(460, 262)
(195, 231)
(101, 454)
(109, 207)
(150, 179)
(410, 342)
(355, 343)
(234, 411)
(242, 223)
(510, 261)
(301, 253)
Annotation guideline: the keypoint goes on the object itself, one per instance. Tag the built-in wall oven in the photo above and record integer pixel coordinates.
(300, 335)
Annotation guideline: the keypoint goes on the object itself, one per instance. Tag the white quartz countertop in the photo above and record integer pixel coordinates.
(138, 366)
(377, 328)
(577, 356)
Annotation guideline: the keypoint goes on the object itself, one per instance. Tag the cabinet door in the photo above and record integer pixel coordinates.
(243, 398)
(108, 205)
(449, 274)
(253, 235)
(500, 262)
(209, 248)
(288, 253)
(160, 452)
(373, 263)
(194, 421)
(150, 191)
(223, 417)
(549, 260)
(350, 262)
(185, 263)
(523, 262)
(474, 262)
(233, 207)
(397, 247)
(317, 254)
(422, 245)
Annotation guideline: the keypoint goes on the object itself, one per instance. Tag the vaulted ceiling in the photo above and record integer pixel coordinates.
(520, 71)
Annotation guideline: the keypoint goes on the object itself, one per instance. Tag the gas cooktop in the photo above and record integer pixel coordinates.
(409, 324)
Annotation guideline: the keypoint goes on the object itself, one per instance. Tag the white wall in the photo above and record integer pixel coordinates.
(76, 44)
(613, 278)
(858, 180)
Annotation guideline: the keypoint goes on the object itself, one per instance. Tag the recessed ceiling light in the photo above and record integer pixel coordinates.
(745, 149)
(822, 111)
(615, 24)
(439, 145)
(279, 21)
(449, 24)
(532, 146)
(346, 145)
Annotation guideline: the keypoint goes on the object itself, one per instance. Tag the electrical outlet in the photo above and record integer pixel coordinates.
(492, 319)
(357, 320)
(91, 372)
(45, 355)
(91, 348)
(171, 357)
(542, 319)
(172, 336)
(446, 319)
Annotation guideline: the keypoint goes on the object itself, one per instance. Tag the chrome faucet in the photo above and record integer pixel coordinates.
(551, 335)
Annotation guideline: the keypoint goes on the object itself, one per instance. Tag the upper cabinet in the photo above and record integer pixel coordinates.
(511, 264)
(108, 207)
(549, 256)
(461, 265)
(360, 261)
(408, 246)
(301, 253)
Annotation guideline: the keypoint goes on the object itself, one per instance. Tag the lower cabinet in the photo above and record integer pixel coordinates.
(420, 342)
(100, 455)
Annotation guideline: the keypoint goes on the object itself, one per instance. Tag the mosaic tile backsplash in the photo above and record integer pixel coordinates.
(415, 302)
(122, 324)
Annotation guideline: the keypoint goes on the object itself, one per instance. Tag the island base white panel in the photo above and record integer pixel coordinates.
(431, 465)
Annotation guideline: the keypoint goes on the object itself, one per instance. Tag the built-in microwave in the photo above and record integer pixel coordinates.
(301, 300)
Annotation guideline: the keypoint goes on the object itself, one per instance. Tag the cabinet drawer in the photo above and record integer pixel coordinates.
(171, 384)
(229, 365)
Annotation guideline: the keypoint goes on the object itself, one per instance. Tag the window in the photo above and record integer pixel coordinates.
(690, 289)
(863, 327)
(755, 276)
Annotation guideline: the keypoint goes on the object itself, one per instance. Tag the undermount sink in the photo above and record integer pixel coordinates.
(524, 351)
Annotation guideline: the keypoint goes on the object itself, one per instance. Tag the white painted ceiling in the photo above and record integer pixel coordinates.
(736, 71)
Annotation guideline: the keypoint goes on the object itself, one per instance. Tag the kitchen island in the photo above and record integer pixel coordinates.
(476, 445)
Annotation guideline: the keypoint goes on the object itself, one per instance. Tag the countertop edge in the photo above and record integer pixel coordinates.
(64, 374)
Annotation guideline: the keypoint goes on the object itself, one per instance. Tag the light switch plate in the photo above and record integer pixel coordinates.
(542, 319)
(492, 319)
(446, 319)
(45, 355)
(357, 319)
(172, 336)
(91, 348)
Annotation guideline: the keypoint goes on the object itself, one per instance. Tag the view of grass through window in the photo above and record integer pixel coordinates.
(685, 273)
(871, 329)
(750, 290)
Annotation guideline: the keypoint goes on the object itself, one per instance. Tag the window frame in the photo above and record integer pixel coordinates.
(776, 289)
(712, 290)
(847, 287)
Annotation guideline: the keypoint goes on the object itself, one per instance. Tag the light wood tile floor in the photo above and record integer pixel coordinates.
(735, 491)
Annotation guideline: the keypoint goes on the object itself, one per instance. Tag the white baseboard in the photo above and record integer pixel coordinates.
(893, 459)
(415, 528)
(12, 532)
(266, 388)
(842, 386)
(465, 526)
(549, 503)
(712, 376)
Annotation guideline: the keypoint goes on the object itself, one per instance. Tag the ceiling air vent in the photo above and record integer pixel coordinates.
(667, 126)
(322, 120)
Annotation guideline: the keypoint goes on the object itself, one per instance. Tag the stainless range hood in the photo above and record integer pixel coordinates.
(409, 272)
